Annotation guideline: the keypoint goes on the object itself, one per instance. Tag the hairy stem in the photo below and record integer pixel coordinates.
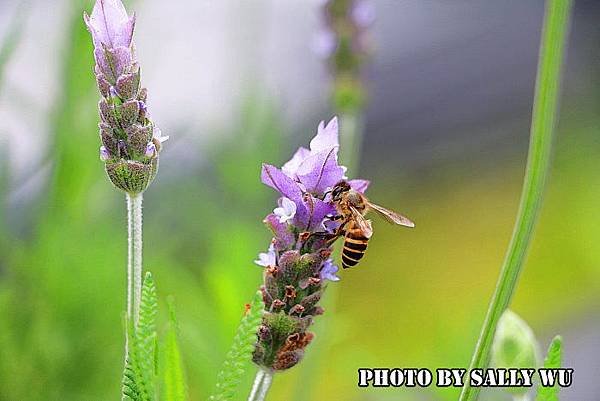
(545, 108)
(262, 383)
(257, 382)
(129, 259)
(134, 259)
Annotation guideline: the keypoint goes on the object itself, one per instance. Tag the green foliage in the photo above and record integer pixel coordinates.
(545, 112)
(240, 353)
(140, 366)
(173, 380)
(552, 361)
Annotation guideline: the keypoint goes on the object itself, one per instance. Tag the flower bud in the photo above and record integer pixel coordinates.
(130, 141)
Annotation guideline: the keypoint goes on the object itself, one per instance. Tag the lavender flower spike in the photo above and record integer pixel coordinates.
(298, 265)
(130, 141)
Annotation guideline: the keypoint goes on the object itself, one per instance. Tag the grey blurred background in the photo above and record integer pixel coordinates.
(450, 88)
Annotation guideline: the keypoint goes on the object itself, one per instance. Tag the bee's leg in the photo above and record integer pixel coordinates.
(322, 234)
(340, 232)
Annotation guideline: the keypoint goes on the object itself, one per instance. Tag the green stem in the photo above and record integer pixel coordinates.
(545, 108)
(351, 139)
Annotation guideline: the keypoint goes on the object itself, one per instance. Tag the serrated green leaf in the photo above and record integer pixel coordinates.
(174, 387)
(140, 367)
(240, 353)
(552, 361)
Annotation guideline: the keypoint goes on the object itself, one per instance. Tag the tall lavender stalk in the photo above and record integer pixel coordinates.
(297, 264)
(130, 141)
(344, 41)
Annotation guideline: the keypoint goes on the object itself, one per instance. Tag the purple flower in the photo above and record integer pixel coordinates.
(286, 210)
(150, 149)
(298, 261)
(329, 270)
(306, 177)
(318, 166)
(268, 258)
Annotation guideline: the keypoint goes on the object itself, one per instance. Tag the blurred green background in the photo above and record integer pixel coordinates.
(445, 142)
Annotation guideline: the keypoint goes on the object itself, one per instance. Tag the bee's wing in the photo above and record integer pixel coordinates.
(392, 216)
(363, 224)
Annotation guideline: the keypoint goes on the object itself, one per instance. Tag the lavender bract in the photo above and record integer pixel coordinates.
(298, 264)
(130, 141)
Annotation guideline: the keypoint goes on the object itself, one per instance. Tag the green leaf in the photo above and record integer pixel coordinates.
(552, 361)
(140, 366)
(239, 355)
(174, 387)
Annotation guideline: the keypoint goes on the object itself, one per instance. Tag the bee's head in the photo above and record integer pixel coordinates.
(338, 190)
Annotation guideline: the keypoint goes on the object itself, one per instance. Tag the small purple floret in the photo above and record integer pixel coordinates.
(268, 258)
(150, 149)
(329, 270)
(286, 210)
(104, 154)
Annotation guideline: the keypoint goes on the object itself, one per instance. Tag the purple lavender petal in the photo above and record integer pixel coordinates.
(268, 258)
(327, 136)
(110, 24)
(329, 270)
(320, 171)
(276, 179)
(317, 211)
(359, 185)
(291, 167)
(284, 238)
(150, 150)
(286, 210)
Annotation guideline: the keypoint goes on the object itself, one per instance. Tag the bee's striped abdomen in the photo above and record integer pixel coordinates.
(355, 245)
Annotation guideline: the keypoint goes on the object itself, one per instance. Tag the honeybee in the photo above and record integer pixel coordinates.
(352, 206)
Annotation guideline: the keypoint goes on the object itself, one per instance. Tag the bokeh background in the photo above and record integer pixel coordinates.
(236, 83)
